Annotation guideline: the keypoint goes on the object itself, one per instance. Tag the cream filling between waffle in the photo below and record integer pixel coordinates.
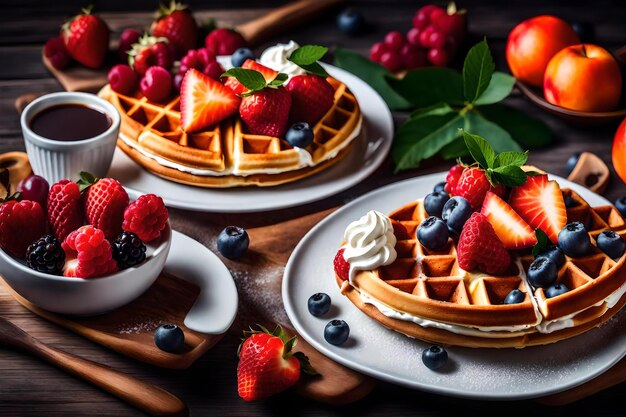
(304, 156)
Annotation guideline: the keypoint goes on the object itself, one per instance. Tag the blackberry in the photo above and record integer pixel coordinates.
(128, 250)
(46, 255)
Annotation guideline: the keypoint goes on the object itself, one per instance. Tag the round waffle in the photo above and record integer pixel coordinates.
(228, 156)
(425, 294)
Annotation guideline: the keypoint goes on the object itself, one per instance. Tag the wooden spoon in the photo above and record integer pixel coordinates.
(146, 397)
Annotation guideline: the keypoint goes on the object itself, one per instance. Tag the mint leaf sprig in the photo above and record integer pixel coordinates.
(254, 80)
(543, 242)
(306, 57)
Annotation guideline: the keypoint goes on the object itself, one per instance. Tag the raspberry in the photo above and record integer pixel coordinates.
(342, 267)
(391, 61)
(223, 41)
(473, 186)
(437, 40)
(452, 179)
(156, 84)
(55, 51)
(412, 57)
(105, 202)
(146, 217)
(88, 254)
(46, 255)
(127, 39)
(479, 247)
(65, 208)
(123, 79)
(20, 224)
(213, 70)
(377, 50)
(394, 40)
(438, 57)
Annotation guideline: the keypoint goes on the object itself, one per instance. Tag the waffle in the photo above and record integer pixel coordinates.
(227, 156)
(454, 307)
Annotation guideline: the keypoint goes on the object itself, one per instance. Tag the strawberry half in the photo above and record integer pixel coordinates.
(512, 230)
(480, 249)
(267, 364)
(65, 208)
(540, 203)
(204, 101)
(268, 73)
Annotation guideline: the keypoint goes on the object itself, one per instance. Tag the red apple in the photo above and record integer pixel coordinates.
(532, 44)
(584, 78)
(619, 151)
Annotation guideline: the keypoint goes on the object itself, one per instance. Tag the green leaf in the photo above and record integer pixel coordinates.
(428, 86)
(499, 88)
(543, 242)
(438, 109)
(307, 54)
(422, 138)
(510, 158)
(315, 68)
(454, 150)
(278, 81)
(499, 138)
(372, 73)
(477, 71)
(525, 130)
(480, 149)
(509, 175)
(251, 79)
(305, 364)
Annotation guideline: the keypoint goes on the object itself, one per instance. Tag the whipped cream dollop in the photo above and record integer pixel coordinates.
(275, 57)
(370, 243)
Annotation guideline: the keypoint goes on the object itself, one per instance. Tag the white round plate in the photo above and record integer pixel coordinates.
(216, 306)
(367, 153)
(503, 374)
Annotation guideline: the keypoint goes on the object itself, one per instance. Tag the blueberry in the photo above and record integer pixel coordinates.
(434, 357)
(571, 162)
(574, 240)
(433, 233)
(455, 213)
(169, 337)
(439, 187)
(555, 254)
(611, 243)
(299, 135)
(434, 202)
(556, 289)
(620, 205)
(542, 273)
(240, 56)
(233, 242)
(585, 30)
(319, 304)
(514, 297)
(569, 201)
(350, 21)
(336, 332)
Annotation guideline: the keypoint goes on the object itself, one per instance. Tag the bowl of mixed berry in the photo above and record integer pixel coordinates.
(81, 248)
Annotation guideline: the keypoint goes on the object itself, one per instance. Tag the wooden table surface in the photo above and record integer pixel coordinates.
(31, 388)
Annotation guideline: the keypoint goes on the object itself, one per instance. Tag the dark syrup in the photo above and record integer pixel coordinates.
(70, 122)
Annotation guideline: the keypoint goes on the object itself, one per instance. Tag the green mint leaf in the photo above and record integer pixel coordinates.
(529, 132)
(307, 54)
(438, 109)
(251, 79)
(477, 70)
(278, 81)
(509, 175)
(499, 138)
(422, 138)
(315, 68)
(543, 242)
(510, 158)
(480, 149)
(533, 173)
(499, 88)
(372, 73)
(428, 86)
(454, 150)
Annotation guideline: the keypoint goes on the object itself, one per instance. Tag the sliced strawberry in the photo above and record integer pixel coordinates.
(268, 73)
(204, 101)
(512, 230)
(540, 202)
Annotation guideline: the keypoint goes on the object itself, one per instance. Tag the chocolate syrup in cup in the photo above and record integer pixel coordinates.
(70, 122)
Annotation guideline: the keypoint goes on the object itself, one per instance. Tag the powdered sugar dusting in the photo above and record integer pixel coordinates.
(138, 325)
(261, 290)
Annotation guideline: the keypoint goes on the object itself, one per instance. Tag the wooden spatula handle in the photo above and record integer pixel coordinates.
(283, 18)
(146, 397)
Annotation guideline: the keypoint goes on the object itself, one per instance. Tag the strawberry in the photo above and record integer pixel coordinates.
(204, 101)
(341, 266)
(65, 208)
(268, 73)
(21, 223)
(266, 112)
(479, 247)
(105, 201)
(223, 41)
(88, 254)
(452, 179)
(311, 97)
(473, 185)
(86, 38)
(149, 52)
(57, 54)
(267, 364)
(177, 24)
(512, 230)
(540, 202)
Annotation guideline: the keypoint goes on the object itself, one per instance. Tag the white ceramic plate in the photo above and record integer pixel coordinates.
(504, 374)
(216, 307)
(368, 152)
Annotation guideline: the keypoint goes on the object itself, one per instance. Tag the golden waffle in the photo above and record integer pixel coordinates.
(455, 307)
(227, 156)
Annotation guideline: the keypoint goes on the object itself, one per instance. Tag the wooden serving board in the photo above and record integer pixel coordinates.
(129, 330)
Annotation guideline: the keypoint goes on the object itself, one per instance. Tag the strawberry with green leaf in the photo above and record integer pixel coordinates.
(86, 38)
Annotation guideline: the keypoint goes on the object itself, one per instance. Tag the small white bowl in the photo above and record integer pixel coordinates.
(78, 296)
